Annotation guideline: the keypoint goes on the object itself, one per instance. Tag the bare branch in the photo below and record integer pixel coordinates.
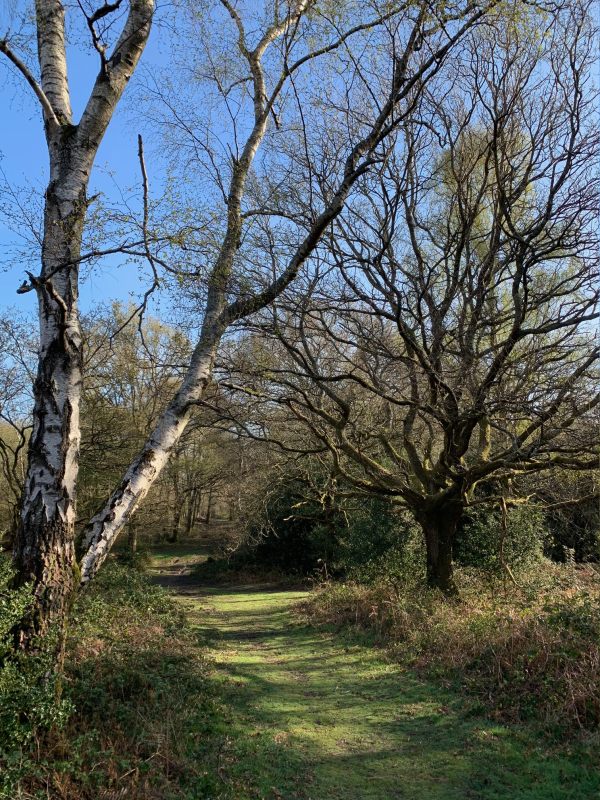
(37, 89)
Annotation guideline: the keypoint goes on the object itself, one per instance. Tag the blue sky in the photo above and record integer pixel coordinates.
(23, 158)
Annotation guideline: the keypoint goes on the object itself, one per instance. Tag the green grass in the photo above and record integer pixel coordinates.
(245, 700)
(313, 716)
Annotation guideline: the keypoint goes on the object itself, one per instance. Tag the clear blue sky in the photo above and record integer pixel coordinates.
(24, 162)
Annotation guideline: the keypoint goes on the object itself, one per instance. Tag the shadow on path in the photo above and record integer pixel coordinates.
(315, 716)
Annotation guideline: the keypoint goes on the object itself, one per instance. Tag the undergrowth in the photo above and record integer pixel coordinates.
(136, 712)
(30, 693)
(526, 653)
(234, 571)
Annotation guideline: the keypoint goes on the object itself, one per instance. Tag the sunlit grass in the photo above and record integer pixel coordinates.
(317, 716)
(246, 700)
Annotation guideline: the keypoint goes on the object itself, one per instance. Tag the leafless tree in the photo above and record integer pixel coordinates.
(444, 337)
(409, 44)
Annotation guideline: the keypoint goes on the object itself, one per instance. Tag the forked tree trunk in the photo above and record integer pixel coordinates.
(439, 525)
(44, 545)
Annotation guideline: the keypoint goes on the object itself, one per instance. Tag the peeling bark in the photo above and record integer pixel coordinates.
(44, 545)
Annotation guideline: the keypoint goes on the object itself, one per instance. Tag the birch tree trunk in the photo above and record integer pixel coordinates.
(44, 545)
(105, 526)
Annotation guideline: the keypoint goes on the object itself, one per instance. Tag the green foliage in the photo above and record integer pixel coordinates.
(134, 683)
(13, 605)
(295, 535)
(576, 529)
(482, 542)
(30, 701)
(363, 538)
(118, 593)
(381, 542)
(140, 560)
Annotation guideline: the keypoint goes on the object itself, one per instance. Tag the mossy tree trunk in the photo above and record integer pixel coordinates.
(439, 525)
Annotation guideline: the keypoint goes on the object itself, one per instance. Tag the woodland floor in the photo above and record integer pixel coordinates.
(313, 715)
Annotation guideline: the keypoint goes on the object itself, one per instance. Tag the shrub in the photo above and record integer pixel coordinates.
(139, 560)
(359, 537)
(294, 534)
(30, 701)
(381, 542)
(482, 543)
(576, 529)
(134, 688)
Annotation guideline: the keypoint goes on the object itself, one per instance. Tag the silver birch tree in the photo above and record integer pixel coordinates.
(44, 546)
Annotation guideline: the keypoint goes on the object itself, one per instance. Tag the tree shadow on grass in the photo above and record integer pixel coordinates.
(304, 703)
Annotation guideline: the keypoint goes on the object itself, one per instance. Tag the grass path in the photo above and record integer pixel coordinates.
(309, 715)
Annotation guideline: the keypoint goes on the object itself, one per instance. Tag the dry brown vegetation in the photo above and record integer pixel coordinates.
(527, 652)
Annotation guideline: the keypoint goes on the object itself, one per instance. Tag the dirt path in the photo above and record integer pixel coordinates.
(311, 716)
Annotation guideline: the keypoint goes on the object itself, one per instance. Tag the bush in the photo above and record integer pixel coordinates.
(298, 535)
(294, 535)
(30, 701)
(380, 542)
(139, 560)
(372, 539)
(479, 542)
(575, 529)
(133, 690)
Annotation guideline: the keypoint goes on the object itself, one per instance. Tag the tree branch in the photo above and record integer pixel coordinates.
(26, 73)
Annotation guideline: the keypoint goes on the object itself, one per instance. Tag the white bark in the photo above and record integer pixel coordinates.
(50, 19)
(106, 525)
(44, 546)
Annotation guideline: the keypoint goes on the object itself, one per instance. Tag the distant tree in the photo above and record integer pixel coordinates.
(132, 365)
(17, 358)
